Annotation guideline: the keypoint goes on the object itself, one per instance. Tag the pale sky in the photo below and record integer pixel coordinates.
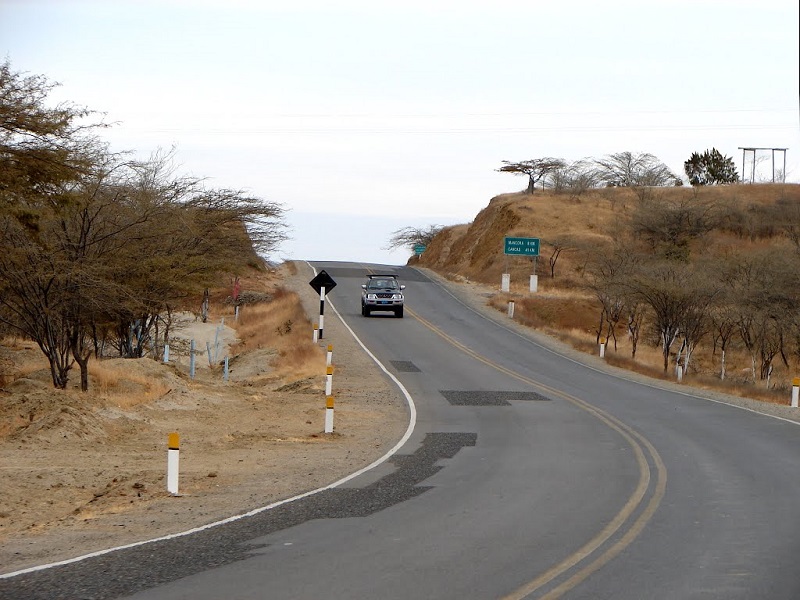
(361, 117)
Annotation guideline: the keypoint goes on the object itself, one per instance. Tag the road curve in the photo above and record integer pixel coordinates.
(527, 476)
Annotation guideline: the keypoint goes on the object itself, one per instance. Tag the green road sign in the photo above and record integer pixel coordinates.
(522, 246)
(419, 249)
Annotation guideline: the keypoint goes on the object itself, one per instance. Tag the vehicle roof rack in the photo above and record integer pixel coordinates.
(374, 276)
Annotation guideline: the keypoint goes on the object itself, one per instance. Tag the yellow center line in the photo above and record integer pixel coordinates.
(636, 441)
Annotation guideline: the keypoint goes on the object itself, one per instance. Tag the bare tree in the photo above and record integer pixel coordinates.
(574, 179)
(559, 244)
(535, 169)
(668, 226)
(628, 169)
(666, 289)
(408, 237)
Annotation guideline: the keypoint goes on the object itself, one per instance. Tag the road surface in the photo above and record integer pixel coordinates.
(527, 475)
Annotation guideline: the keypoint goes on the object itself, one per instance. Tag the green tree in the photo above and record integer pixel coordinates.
(710, 168)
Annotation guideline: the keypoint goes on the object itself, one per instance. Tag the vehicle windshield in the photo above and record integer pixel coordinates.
(382, 284)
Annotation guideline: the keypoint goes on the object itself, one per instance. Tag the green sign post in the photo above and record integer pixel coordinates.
(517, 246)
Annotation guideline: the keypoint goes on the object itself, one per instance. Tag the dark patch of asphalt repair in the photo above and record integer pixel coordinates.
(131, 570)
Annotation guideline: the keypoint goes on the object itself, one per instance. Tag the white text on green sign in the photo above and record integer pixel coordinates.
(522, 246)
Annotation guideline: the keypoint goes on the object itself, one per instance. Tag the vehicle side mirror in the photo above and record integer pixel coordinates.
(402, 287)
(363, 286)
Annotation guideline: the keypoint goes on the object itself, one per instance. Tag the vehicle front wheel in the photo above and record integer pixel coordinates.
(398, 312)
(364, 311)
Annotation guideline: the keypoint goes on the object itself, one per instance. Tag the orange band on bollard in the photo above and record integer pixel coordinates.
(173, 441)
(796, 382)
(329, 403)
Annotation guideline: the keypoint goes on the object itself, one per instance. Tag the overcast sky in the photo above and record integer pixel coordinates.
(361, 117)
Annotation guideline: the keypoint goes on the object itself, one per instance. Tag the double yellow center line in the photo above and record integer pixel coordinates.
(596, 552)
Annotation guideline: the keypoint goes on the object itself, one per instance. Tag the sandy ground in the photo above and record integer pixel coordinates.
(77, 478)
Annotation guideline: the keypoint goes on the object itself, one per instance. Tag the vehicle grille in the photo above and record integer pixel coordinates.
(381, 295)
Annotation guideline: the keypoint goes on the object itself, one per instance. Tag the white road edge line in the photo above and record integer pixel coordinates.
(412, 421)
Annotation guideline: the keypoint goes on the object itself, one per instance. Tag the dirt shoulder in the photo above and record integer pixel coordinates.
(82, 477)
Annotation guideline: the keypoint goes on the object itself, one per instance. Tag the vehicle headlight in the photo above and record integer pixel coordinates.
(372, 296)
(397, 296)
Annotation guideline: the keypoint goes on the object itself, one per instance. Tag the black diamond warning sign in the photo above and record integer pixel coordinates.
(322, 280)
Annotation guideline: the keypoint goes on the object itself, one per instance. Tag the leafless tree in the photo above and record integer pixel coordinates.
(408, 237)
(628, 169)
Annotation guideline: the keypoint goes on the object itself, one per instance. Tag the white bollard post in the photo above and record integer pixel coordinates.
(166, 353)
(191, 359)
(321, 311)
(329, 415)
(329, 359)
(602, 347)
(173, 458)
(329, 381)
(226, 371)
(316, 334)
(680, 373)
(505, 282)
(534, 283)
(795, 391)
(510, 309)
(236, 314)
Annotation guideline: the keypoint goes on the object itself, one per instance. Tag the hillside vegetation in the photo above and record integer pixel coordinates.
(705, 279)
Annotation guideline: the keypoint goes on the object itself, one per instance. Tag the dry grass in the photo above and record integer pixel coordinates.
(123, 387)
(281, 324)
(583, 226)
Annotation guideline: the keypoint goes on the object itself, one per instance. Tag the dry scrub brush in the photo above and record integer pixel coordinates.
(281, 324)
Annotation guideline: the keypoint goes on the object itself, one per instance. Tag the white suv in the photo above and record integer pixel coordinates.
(382, 292)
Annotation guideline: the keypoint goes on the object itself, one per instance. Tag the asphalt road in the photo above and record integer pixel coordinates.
(528, 475)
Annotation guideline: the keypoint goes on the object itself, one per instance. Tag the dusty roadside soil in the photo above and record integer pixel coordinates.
(77, 478)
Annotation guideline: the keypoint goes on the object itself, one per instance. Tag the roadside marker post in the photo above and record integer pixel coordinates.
(329, 359)
(329, 381)
(329, 415)
(316, 333)
(602, 347)
(226, 371)
(795, 392)
(166, 353)
(173, 458)
(510, 309)
(680, 373)
(321, 310)
(191, 359)
(322, 283)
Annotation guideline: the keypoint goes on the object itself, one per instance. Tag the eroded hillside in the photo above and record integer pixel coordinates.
(736, 247)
